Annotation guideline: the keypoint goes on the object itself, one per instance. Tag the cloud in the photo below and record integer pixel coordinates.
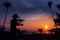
(32, 6)
(28, 5)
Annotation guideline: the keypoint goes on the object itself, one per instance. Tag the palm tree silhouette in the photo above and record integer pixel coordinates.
(7, 5)
(50, 4)
(58, 6)
(57, 20)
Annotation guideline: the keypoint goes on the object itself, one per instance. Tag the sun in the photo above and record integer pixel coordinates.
(46, 27)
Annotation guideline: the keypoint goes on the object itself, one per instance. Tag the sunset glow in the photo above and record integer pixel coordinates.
(46, 27)
(30, 19)
(35, 22)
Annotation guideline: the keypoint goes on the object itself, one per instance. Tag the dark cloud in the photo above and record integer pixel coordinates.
(28, 6)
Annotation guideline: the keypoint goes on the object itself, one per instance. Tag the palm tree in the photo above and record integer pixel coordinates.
(57, 20)
(58, 6)
(50, 4)
(7, 5)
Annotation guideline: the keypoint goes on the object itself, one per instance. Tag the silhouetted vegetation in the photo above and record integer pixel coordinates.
(40, 30)
(17, 34)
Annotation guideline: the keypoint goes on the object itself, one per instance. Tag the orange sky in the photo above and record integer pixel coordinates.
(35, 22)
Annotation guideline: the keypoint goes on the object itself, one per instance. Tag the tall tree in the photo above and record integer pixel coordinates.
(7, 5)
(50, 4)
(57, 20)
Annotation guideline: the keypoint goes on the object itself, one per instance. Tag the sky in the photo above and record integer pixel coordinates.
(36, 13)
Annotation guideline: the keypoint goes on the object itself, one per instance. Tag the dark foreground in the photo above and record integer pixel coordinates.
(30, 37)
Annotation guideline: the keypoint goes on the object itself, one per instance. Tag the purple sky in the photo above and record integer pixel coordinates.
(28, 8)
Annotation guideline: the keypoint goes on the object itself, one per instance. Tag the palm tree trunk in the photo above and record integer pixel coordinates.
(5, 17)
(53, 17)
